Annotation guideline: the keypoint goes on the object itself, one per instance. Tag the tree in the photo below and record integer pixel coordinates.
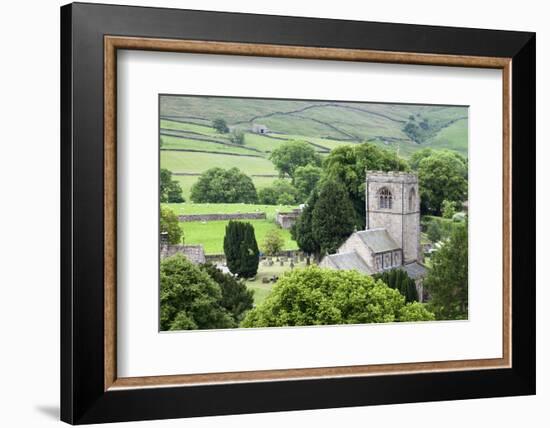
(399, 280)
(218, 185)
(417, 156)
(302, 230)
(293, 154)
(348, 164)
(189, 298)
(273, 242)
(447, 279)
(448, 208)
(236, 298)
(220, 125)
(241, 249)
(170, 224)
(442, 175)
(281, 192)
(333, 217)
(314, 296)
(434, 231)
(306, 178)
(237, 137)
(170, 190)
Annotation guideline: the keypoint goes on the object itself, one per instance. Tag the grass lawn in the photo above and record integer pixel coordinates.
(200, 162)
(191, 208)
(210, 234)
(262, 290)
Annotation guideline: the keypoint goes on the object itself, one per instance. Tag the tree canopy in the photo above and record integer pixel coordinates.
(447, 280)
(273, 242)
(220, 125)
(399, 280)
(348, 164)
(293, 154)
(189, 298)
(218, 185)
(306, 178)
(281, 192)
(442, 176)
(314, 296)
(333, 217)
(302, 230)
(170, 190)
(169, 223)
(236, 298)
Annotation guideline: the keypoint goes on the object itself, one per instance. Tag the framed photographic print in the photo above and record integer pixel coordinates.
(265, 213)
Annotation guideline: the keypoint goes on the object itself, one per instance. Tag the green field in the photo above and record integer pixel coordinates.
(325, 124)
(210, 234)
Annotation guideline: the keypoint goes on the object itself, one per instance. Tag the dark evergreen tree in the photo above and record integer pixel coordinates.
(236, 298)
(241, 249)
(333, 217)
(399, 280)
(302, 231)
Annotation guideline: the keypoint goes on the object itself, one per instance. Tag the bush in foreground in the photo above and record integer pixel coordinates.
(189, 298)
(315, 296)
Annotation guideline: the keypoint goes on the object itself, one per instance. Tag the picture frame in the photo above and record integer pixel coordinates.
(91, 35)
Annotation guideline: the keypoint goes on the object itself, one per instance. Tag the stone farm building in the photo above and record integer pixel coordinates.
(391, 238)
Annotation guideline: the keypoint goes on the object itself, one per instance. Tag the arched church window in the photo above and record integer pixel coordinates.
(385, 198)
(412, 199)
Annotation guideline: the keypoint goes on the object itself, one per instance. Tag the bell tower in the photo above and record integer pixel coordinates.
(392, 202)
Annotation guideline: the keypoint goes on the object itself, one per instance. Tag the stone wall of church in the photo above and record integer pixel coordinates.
(354, 243)
(402, 220)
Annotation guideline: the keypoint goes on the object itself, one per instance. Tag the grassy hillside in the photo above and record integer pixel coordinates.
(190, 145)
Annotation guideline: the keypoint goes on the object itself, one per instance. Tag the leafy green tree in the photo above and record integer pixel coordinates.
(333, 217)
(348, 164)
(399, 280)
(189, 298)
(448, 208)
(220, 125)
(447, 279)
(302, 230)
(442, 175)
(281, 192)
(170, 190)
(170, 224)
(434, 231)
(293, 154)
(241, 249)
(306, 178)
(273, 242)
(218, 185)
(417, 156)
(314, 296)
(236, 298)
(237, 137)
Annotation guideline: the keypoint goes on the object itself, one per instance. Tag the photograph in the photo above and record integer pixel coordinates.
(293, 212)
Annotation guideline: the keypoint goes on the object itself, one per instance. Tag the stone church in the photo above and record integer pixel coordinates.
(392, 236)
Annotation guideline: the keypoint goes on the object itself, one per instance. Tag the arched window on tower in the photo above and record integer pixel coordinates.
(412, 199)
(385, 198)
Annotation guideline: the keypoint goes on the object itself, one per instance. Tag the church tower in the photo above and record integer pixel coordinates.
(392, 202)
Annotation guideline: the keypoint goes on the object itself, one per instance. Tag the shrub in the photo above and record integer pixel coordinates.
(189, 298)
(314, 296)
(273, 242)
(399, 280)
(169, 223)
(169, 190)
(220, 125)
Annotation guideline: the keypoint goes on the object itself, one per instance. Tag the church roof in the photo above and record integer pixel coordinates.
(378, 240)
(349, 261)
(414, 270)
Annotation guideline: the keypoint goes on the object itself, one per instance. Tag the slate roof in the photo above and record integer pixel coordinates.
(378, 240)
(348, 261)
(414, 270)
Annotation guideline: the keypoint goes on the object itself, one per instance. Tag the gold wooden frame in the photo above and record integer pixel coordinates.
(113, 43)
